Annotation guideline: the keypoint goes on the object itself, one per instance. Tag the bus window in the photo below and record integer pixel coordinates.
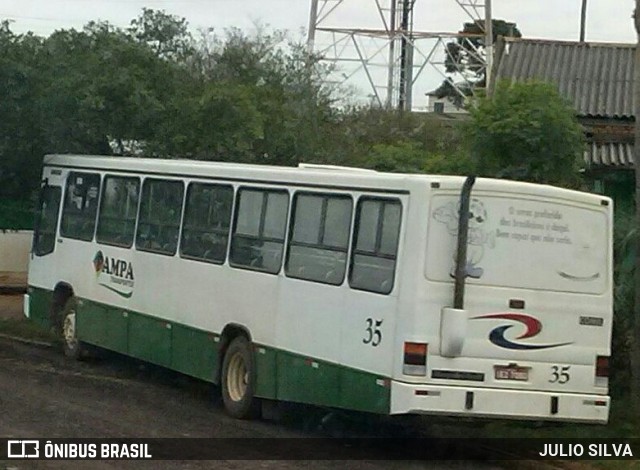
(207, 219)
(45, 233)
(373, 259)
(160, 212)
(260, 224)
(118, 209)
(319, 238)
(80, 206)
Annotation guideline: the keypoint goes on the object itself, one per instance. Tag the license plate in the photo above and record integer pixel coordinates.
(511, 373)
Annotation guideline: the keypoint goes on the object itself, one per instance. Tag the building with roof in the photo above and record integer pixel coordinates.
(597, 79)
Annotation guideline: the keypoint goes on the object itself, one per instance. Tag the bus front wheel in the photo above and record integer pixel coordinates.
(71, 345)
(239, 380)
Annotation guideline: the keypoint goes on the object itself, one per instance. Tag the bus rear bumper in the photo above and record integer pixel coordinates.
(498, 403)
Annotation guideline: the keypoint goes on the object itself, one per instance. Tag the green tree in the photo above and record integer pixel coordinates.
(290, 103)
(101, 88)
(527, 131)
(167, 35)
(21, 143)
(411, 157)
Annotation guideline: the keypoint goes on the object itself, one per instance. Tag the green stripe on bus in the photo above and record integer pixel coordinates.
(281, 374)
(39, 305)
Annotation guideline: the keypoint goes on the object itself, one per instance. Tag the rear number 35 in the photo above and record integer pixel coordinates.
(373, 335)
(559, 374)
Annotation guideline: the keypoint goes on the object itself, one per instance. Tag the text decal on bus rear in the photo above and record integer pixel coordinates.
(110, 271)
(533, 327)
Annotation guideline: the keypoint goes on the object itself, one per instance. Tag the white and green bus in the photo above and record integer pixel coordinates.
(338, 287)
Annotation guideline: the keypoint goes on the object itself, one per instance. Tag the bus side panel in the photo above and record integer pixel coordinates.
(363, 391)
(150, 339)
(39, 305)
(266, 359)
(305, 380)
(194, 352)
(91, 324)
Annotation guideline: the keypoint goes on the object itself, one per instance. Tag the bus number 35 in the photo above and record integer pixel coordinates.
(373, 334)
(560, 374)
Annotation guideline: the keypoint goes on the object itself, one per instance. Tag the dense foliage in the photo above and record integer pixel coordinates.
(155, 90)
(527, 131)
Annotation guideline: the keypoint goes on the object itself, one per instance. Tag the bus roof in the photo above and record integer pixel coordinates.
(307, 174)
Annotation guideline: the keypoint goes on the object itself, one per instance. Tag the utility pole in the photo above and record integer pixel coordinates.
(392, 53)
(406, 57)
(488, 26)
(583, 20)
(635, 337)
(313, 21)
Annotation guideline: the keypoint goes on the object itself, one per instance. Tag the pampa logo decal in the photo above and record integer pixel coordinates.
(116, 271)
(533, 327)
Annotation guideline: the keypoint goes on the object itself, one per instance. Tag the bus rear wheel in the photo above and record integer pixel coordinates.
(239, 380)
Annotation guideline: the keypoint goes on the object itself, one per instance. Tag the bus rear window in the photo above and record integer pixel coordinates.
(524, 243)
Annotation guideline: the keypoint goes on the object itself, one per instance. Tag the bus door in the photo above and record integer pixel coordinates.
(48, 210)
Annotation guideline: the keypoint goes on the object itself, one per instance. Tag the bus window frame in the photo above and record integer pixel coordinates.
(135, 221)
(64, 200)
(321, 246)
(378, 241)
(183, 184)
(263, 211)
(229, 231)
(38, 221)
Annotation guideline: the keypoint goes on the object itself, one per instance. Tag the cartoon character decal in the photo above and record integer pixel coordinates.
(479, 236)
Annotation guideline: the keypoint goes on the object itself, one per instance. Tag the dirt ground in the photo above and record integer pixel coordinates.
(11, 307)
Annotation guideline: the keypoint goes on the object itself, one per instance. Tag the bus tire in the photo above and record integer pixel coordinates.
(239, 380)
(61, 295)
(71, 346)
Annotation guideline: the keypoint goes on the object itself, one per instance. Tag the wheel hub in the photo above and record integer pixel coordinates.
(237, 377)
(69, 330)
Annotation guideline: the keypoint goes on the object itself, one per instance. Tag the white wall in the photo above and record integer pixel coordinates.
(449, 107)
(14, 250)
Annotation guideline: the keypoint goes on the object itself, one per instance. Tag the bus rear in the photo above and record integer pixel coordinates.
(532, 339)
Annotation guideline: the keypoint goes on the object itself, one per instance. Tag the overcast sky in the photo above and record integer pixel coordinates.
(608, 20)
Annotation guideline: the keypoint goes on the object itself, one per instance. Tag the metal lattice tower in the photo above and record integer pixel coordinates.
(392, 56)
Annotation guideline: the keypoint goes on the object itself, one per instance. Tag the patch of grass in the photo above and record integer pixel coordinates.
(26, 329)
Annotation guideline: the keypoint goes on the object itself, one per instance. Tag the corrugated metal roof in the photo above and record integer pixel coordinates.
(610, 154)
(596, 77)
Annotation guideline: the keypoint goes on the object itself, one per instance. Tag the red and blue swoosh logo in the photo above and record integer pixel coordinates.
(533, 327)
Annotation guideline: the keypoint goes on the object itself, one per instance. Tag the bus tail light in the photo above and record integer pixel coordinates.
(415, 359)
(602, 371)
